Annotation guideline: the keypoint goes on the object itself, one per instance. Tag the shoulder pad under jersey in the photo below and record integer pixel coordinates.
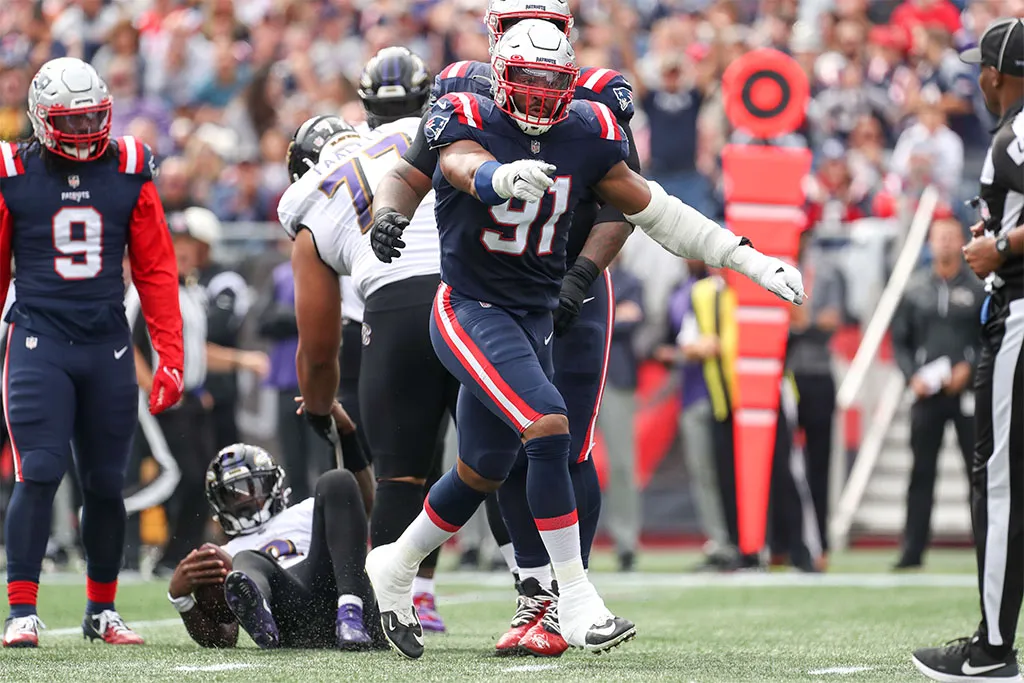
(608, 87)
(135, 157)
(456, 116)
(468, 77)
(10, 161)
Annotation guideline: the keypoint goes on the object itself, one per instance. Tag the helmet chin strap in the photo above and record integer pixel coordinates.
(78, 152)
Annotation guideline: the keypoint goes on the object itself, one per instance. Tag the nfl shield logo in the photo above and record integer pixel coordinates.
(31, 342)
(73, 181)
(535, 146)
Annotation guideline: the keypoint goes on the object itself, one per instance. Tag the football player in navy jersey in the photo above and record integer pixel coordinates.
(582, 320)
(511, 171)
(71, 202)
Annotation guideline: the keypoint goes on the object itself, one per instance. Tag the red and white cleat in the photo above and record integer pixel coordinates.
(531, 603)
(545, 639)
(109, 627)
(22, 631)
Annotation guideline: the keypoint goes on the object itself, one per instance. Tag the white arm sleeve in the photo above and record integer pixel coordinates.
(686, 232)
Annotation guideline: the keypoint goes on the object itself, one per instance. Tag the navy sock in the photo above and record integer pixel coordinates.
(451, 501)
(26, 532)
(548, 486)
(587, 488)
(515, 509)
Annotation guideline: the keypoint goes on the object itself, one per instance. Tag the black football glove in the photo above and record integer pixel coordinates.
(575, 286)
(386, 234)
(352, 456)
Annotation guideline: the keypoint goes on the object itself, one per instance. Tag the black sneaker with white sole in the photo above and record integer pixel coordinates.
(603, 637)
(964, 659)
(405, 635)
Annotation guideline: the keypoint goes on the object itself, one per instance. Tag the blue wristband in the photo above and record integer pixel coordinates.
(482, 183)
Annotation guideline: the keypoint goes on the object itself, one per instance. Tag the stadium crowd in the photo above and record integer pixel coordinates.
(217, 88)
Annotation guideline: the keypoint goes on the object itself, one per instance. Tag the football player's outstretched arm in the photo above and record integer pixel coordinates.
(472, 169)
(686, 232)
(318, 316)
(155, 274)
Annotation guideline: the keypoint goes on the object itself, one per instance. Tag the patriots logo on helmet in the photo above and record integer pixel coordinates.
(42, 80)
(435, 126)
(625, 98)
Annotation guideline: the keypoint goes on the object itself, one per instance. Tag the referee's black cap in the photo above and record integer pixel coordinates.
(1001, 46)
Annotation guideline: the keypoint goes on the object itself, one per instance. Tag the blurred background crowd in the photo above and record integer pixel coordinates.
(217, 87)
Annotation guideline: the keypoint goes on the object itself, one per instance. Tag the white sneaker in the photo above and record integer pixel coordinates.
(586, 623)
(392, 585)
(22, 631)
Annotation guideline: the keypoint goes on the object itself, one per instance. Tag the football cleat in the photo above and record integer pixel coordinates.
(965, 660)
(109, 627)
(247, 602)
(350, 630)
(531, 604)
(545, 639)
(586, 623)
(22, 631)
(426, 610)
(392, 584)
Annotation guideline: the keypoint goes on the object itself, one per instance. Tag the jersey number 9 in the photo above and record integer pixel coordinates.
(78, 235)
(522, 218)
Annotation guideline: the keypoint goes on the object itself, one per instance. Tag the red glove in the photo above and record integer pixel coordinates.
(168, 386)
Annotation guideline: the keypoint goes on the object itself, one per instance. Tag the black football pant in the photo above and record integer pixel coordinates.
(304, 597)
(815, 416)
(928, 418)
(997, 475)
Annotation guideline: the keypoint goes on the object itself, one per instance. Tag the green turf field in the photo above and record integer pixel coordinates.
(857, 623)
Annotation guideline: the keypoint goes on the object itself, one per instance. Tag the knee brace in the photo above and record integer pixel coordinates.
(43, 467)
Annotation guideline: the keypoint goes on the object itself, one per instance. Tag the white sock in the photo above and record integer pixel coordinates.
(563, 546)
(508, 553)
(422, 585)
(350, 600)
(420, 539)
(569, 574)
(542, 574)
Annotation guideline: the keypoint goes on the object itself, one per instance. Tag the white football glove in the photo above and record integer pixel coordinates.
(778, 277)
(526, 179)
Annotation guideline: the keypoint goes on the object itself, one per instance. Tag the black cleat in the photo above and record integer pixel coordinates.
(965, 660)
(603, 637)
(247, 602)
(404, 638)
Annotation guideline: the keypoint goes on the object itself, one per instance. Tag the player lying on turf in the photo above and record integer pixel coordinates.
(290, 576)
(503, 215)
(72, 201)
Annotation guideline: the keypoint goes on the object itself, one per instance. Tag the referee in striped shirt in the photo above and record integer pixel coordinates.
(997, 477)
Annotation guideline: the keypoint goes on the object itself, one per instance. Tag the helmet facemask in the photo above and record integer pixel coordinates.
(245, 503)
(536, 94)
(79, 134)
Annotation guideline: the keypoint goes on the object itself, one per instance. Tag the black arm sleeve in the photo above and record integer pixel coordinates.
(419, 155)
(608, 213)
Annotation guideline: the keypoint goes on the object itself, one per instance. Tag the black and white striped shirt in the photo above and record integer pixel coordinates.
(192, 299)
(1002, 190)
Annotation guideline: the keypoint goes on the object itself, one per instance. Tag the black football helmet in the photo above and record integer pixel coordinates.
(245, 488)
(394, 84)
(311, 138)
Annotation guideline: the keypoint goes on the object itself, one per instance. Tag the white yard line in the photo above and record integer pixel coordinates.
(230, 666)
(841, 670)
(530, 667)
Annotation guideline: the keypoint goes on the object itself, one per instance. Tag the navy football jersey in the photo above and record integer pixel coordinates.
(69, 224)
(513, 255)
(606, 86)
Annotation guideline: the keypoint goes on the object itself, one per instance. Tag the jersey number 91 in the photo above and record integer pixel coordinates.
(523, 217)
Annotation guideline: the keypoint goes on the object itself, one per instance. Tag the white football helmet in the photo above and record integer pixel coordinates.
(69, 107)
(535, 75)
(502, 15)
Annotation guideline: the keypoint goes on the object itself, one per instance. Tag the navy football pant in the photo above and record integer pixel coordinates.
(580, 364)
(56, 393)
(503, 362)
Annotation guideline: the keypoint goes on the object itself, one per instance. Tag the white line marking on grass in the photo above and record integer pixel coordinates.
(841, 670)
(230, 666)
(139, 625)
(531, 667)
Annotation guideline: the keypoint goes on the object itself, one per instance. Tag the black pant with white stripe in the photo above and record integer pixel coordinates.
(997, 477)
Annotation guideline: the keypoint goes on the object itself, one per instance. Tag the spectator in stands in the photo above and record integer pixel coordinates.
(228, 78)
(83, 26)
(618, 414)
(174, 185)
(950, 83)
(129, 102)
(122, 42)
(810, 361)
(929, 152)
(13, 91)
(935, 339)
(689, 349)
(833, 200)
(303, 455)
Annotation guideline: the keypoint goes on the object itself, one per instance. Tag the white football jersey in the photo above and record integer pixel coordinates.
(286, 536)
(333, 200)
(351, 303)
